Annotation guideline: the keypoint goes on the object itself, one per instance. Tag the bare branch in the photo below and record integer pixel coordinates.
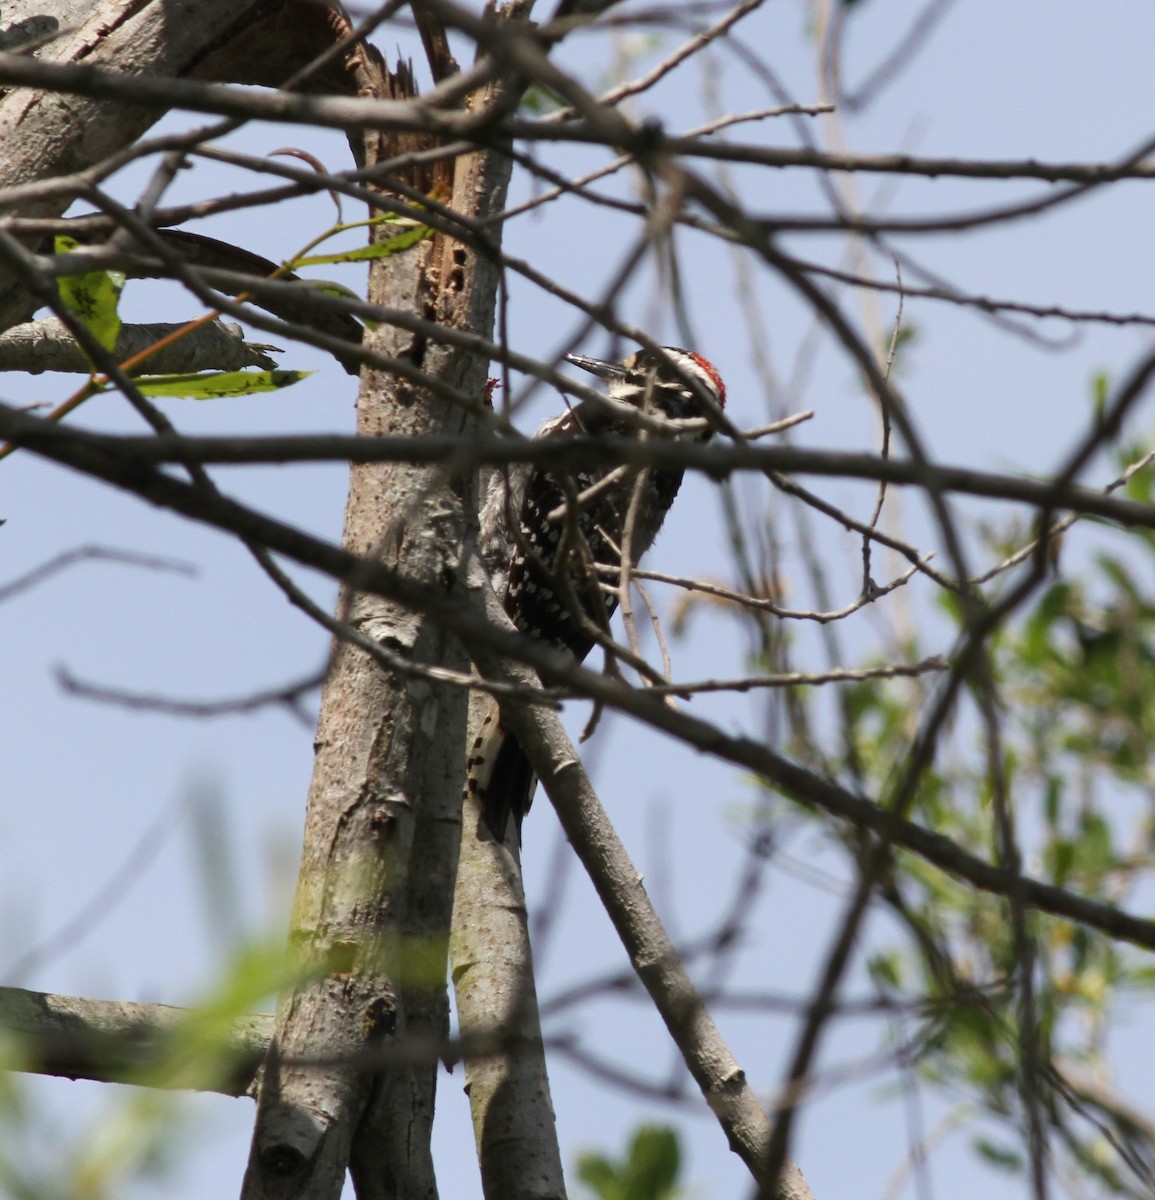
(750, 683)
(289, 696)
(48, 346)
(570, 454)
(69, 558)
(111, 1040)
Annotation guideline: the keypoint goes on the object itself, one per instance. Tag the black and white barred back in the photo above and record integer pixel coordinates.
(544, 563)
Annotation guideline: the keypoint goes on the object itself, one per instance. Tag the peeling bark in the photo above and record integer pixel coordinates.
(375, 890)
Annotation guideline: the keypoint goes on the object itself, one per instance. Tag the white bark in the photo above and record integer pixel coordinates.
(110, 1040)
(47, 345)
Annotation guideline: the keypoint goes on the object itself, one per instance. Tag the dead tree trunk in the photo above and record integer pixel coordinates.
(375, 891)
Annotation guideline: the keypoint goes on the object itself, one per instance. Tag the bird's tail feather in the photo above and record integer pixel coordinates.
(500, 777)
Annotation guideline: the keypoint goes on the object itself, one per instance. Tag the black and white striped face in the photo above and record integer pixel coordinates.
(661, 380)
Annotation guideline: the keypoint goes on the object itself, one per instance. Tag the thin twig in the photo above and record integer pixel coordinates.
(803, 678)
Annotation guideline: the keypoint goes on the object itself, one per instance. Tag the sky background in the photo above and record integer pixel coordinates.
(207, 815)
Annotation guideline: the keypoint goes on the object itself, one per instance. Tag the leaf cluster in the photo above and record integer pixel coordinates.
(987, 996)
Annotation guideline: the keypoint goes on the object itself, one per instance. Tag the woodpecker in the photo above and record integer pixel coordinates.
(543, 538)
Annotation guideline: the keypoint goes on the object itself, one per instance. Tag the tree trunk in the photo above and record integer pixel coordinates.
(505, 1069)
(374, 898)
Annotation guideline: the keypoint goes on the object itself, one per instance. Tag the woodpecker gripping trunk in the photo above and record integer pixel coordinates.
(550, 538)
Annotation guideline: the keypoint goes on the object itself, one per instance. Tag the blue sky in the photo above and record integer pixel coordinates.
(1060, 81)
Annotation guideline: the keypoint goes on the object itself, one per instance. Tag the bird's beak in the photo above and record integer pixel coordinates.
(598, 366)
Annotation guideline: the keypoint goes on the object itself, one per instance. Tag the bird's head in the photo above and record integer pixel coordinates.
(676, 382)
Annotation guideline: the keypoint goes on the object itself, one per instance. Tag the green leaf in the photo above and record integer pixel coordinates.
(651, 1170)
(1117, 573)
(1143, 976)
(1100, 391)
(219, 385)
(1061, 860)
(599, 1174)
(648, 1172)
(999, 1156)
(1139, 484)
(405, 240)
(1095, 852)
(538, 100)
(886, 970)
(93, 296)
